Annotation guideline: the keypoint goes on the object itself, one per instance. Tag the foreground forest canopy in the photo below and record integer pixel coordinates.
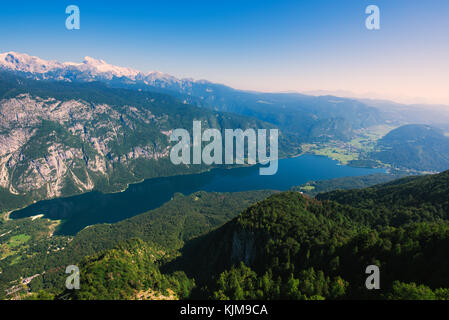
(28, 247)
(290, 246)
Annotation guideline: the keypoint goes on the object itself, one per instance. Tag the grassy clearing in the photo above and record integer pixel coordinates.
(340, 154)
(307, 188)
(13, 246)
(15, 260)
(18, 240)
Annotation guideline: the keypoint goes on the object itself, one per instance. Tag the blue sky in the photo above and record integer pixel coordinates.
(259, 45)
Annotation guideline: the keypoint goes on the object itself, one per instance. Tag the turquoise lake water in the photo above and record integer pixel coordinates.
(80, 211)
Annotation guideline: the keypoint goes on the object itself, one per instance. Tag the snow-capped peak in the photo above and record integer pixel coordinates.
(94, 67)
(102, 67)
(93, 61)
(26, 63)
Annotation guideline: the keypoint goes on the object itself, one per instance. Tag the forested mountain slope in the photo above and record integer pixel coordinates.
(418, 147)
(291, 246)
(299, 247)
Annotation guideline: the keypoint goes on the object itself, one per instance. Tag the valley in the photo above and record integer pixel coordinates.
(358, 148)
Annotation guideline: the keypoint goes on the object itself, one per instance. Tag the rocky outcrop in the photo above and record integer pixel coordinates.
(48, 145)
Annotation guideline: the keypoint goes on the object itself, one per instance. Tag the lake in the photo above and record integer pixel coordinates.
(80, 211)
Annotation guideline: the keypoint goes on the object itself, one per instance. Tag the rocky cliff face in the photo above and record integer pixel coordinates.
(243, 247)
(48, 145)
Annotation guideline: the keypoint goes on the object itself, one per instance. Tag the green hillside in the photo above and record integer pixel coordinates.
(417, 147)
(102, 275)
(299, 247)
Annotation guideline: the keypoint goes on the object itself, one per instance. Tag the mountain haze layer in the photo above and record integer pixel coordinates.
(307, 117)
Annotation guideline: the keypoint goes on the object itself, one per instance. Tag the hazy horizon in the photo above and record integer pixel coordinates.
(269, 46)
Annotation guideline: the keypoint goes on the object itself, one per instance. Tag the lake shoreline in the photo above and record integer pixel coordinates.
(95, 207)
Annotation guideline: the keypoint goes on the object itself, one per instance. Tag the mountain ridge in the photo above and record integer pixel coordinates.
(25, 63)
(294, 113)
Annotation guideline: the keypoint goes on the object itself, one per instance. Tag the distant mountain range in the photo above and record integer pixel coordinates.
(305, 116)
(279, 108)
(89, 70)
